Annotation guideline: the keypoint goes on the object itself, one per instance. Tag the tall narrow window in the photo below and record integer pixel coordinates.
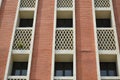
(63, 69)
(108, 69)
(19, 68)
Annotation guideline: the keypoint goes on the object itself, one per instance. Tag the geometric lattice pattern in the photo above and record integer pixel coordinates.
(27, 3)
(64, 3)
(102, 3)
(22, 39)
(106, 40)
(17, 79)
(64, 40)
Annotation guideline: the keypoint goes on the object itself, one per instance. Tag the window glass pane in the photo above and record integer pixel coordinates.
(112, 66)
(59, 73)
(103, 73)
(63, 68)
(24, 72)
(108, 69)
(64, 23)
(17, 72)
(103, 69)
(68, 72)
(19, 68)
(26, 23)
(103, 23)
(68, 66)
(112, 69)
(58, 69)
(112, 73)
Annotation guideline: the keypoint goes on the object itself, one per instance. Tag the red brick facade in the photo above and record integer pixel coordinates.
(86, 57)
(7, 17)
(42, 51)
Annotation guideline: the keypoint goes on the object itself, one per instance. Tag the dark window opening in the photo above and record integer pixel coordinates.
(19, 68)
(108, 69)
(63, 69)
(66, 23)
(103, 23)
(26, 23)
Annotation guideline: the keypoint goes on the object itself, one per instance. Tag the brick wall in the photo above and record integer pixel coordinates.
(7, 16)
(86, 56)
(42, 52)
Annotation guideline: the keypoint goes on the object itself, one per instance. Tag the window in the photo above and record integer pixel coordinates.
(63, 69)
(26, 23)
(103, 23)
(64, 23)
(19, 68)
(108, 69)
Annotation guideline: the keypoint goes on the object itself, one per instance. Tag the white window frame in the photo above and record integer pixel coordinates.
(0, 3)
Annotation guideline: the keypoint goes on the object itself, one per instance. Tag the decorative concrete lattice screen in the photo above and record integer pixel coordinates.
(22, 39)
(27, 3)
(17, 79)
(64, 3)
(64, 40)
(102, 3)
(106, 40)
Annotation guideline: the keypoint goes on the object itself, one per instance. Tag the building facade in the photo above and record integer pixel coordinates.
(59, 40)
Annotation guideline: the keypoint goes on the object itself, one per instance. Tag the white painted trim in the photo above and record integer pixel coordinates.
(95, 38)
(118, 65)
(64, 51)
(64, 9)
(53, 43)
(107, 51)
(17, 77)
(110, 77)
(25, 28)
(105, 28)
(64, 28)
(64, 78)
(114, 26)
(74, 42)
(102, 9)
(32, 40)
(27, 9)
(74, 39)
(20, 51)
(0, 3)
(11, 43)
